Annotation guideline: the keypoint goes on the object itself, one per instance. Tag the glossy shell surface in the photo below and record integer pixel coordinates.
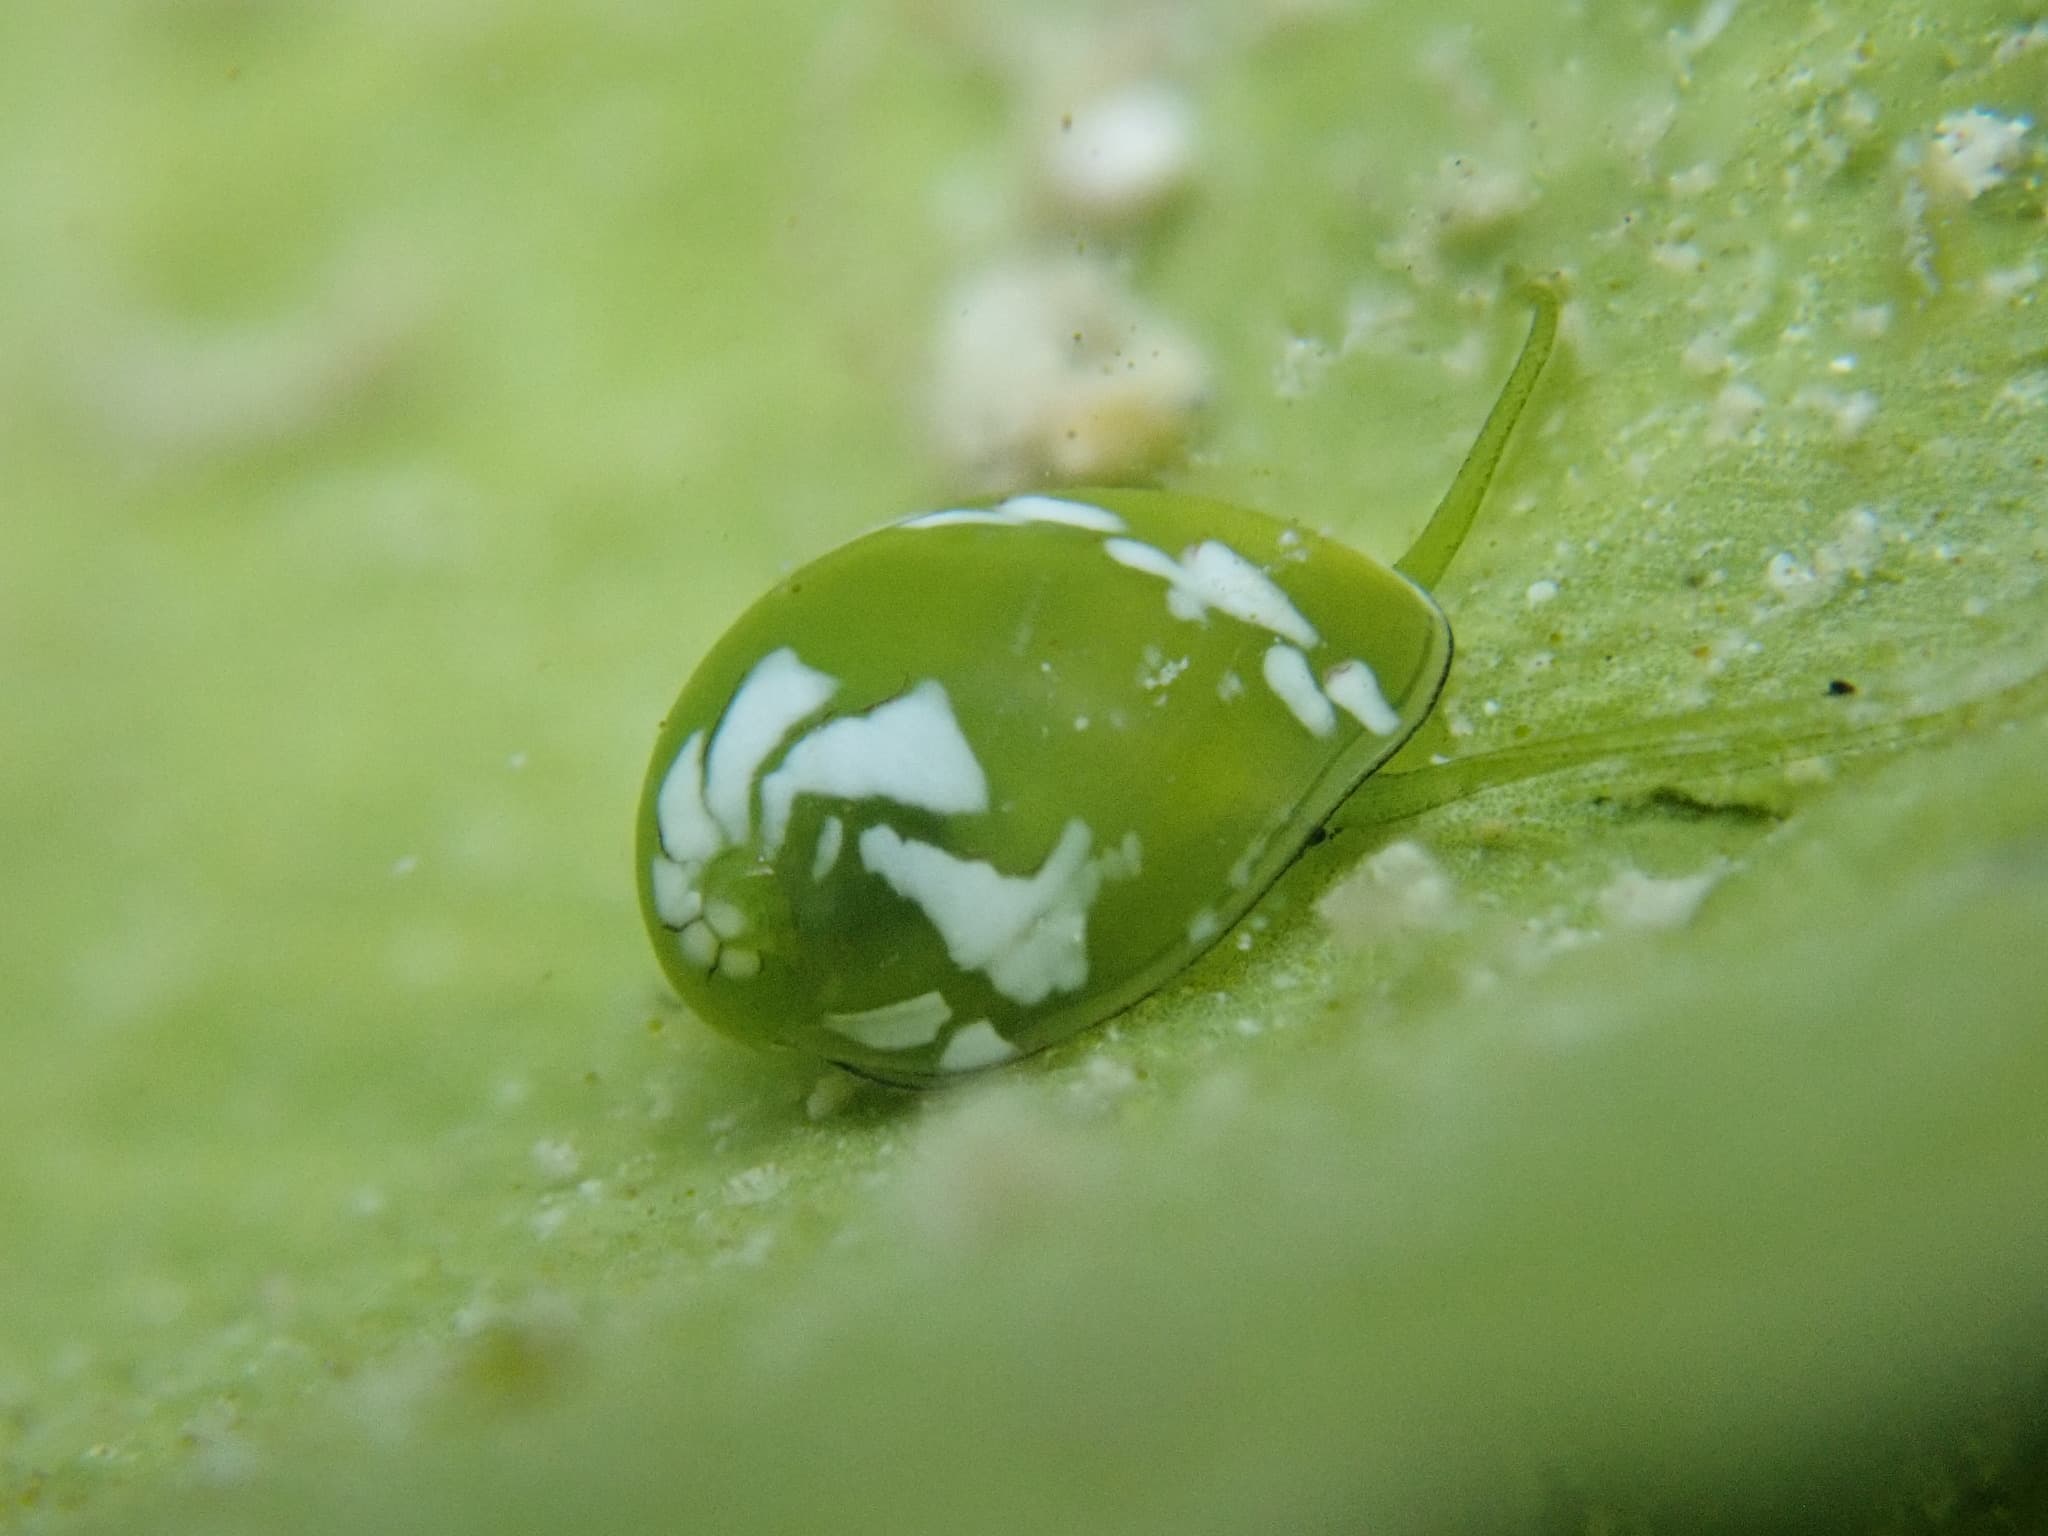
(979, 779)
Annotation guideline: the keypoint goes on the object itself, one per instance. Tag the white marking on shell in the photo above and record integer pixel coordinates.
(1213, 575)
(779, 693)
(975, 1046)
(908, 750)
(688, 834)
(960, 517)
(831, 838)
(1027, 932)
(1355, 688)
(1229, 686)
(1203, 926)
(738, 964)
(898, 1026)
(1021, 512)
(1058, 509)
(1288, 675)
(677, 901)
(725, 919)
(699, 945)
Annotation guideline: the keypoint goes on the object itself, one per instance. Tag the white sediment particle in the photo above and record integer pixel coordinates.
(2025, 393)
(676, 897)
(556, 1160)
(688, 834)
(1713, 19)
(1355, 688)
(831, 838)
(1633, 899)
(831, 1093)
(1303, 362)
(755, 1186)
(1022, 512)
(2006, 284)
(1470, 196)
(1400, 889)
(1707, 354)
(779, 693)
(1695, 181)
(1027, 932)
(1736, 409)
(1974, 151)
(898, 1026)
(1123, 153)
(1288, 675)
(1213, 575)
(1540, 593)
(1680, 256)
(1053, 368)
(909, 750)
(1229, 686)
(1203, 926)
(1849, 413)
(975, 1046)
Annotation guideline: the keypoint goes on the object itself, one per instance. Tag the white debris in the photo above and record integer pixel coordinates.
(1400, 889)
(1054, 369)
(1471, 198)
(1643, 902)
(1973, 151)
(1122, 154)
(1735, 412)
(830, 1094)
(1541, 592)
(556, 1160)
(1791, 578)
(1848, 413)
(755, 1186)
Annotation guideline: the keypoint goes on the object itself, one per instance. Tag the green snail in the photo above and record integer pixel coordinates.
(984, 777)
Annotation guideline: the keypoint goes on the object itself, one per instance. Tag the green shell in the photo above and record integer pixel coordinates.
(980, 779)
(975, 781)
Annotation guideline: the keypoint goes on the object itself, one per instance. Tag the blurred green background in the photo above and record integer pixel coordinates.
(396, 399)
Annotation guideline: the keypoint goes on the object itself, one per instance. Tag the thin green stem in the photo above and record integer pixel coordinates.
(1724, 741)
(1431, 553)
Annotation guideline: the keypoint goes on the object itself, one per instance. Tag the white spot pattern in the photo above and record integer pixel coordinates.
(1355, 688)
(1022, 511)
(898, 1026)
(676, 897)
(975, 1046)
(776, 695)
(688, 834)
(1288, 675)
(1028, 933)
(831, 837)
(1213, 575)
(909, 750)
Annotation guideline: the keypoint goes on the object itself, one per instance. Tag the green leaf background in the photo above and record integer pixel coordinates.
(395, 399)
